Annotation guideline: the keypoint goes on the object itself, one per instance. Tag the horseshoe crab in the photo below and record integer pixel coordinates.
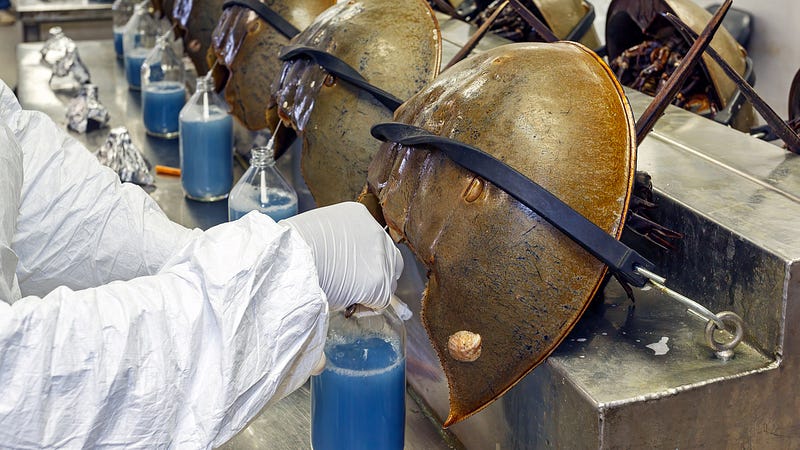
(246, 48)
(196, 20)
(562, 17)
(644, 48)
(393, 44)
(528, 283)
(794, 102)
(163, 8)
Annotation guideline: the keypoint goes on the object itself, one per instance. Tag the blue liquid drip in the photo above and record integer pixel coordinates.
(206, 154)
(161, 104)
(133, 66)
(118, 44)
(358, 401)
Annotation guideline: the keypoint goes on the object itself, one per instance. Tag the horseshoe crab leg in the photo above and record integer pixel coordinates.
(537, 25)
(475, 38)
(665, 96)
(781, 129)
(447, 8)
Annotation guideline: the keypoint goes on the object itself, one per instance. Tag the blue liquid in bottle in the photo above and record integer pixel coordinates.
(278, 207)
(358, 401)
(133, 66)
(161, 104)
(262, 188)
(118, 43)
(206, 152)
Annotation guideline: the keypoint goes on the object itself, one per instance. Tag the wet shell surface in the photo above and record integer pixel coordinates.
(247, 49)
(555, 113)
(395, 45)
(197, 19)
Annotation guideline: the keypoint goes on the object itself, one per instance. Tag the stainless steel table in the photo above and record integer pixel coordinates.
(125, 109)
(34, 13)
(287, 424)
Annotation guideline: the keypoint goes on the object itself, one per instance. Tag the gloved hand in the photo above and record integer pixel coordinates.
(357, 262)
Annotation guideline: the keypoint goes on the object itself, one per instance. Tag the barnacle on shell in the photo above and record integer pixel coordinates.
(464, 346)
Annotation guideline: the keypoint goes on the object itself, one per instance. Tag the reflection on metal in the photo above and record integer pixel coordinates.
(657, 282)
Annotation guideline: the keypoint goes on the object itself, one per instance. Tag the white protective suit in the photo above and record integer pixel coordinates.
(119, 327)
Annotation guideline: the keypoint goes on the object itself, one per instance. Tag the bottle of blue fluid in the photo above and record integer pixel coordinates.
(262, 188)
(358, 401)
(206, 145)
(138, 39)
(121, 11)
(163, 89)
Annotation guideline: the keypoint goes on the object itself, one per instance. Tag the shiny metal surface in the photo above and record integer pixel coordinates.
(34, 13)
(285, 425)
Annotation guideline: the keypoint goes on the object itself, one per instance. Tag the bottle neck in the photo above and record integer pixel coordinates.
(262, 157)
(205, 84)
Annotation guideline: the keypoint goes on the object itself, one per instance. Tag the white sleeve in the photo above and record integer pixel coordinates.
(207, 329)
(183, 358)
(78, 226)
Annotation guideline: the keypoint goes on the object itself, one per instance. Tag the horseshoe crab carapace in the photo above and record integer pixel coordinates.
(644, 49)
(246, 49)
(392, 44)
(196, 20)
(528, 283)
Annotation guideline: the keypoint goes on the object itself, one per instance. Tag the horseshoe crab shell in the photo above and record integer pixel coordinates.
(196, 20)
(395, 45)
(627, 21)
(163, 8)
(495, 267)
(794, 97)
(247, 49)
(562, 16)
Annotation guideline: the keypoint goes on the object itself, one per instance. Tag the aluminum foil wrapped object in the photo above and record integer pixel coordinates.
(85, 112)
(54, 47)
(69, 72)
(119, 153)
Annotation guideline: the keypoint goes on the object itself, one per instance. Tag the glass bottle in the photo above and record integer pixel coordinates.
(138, 39)
(163, 89)
(206, 144)
(121, 11)
(358, 401)
(262, 188)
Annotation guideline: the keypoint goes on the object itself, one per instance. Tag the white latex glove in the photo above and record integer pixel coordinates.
(357, 262)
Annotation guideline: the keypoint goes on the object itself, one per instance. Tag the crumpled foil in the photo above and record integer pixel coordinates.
(55, 47)
(61, 55)
(119, 153)
(85, 112)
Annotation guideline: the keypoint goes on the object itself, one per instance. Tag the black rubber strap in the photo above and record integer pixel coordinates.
(341, 70)
(271, 17)
(620, 258)
(582, 27)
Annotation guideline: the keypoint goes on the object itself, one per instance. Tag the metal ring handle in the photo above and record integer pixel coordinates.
(733, 323)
